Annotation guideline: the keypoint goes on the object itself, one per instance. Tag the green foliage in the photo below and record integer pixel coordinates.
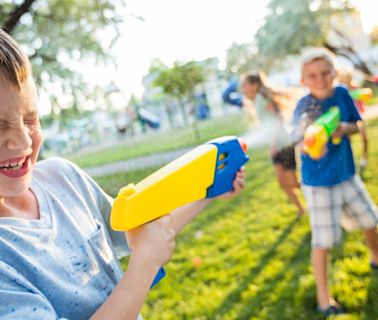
(292, 25)
(58, 34)
(255, 257)
(374, 35)
(180, 80)
(245, 58)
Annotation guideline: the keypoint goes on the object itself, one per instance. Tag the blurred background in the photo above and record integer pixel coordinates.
(127, 85)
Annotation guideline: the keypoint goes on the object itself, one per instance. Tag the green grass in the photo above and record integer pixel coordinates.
(255, 256)
(230, 124)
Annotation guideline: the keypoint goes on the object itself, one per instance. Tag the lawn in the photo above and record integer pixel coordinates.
(162, 141)
(255, 256)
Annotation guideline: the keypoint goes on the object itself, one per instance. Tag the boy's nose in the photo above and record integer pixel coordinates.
(19, 139)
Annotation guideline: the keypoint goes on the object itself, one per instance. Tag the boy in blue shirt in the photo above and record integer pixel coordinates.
(330, 184)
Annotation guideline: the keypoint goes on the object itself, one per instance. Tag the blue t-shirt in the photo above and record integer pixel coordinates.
(337, 164)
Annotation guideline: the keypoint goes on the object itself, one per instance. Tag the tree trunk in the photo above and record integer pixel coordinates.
(16, 15)
(183, 111)
(195, 121)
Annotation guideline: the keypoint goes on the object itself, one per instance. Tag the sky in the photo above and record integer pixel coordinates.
(181, 29)
(185, 30)
(190, 29)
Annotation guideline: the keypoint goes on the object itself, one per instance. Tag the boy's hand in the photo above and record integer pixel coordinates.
(238, 184)
(339, 132)
(153, 242)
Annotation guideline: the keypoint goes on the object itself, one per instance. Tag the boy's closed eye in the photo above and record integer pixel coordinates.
(324, 74)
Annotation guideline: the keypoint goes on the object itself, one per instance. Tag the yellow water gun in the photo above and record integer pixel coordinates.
(317, 135)
(205, 172)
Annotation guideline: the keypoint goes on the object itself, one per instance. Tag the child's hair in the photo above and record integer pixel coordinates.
(281, 101)
(318, 54)
(14, 64)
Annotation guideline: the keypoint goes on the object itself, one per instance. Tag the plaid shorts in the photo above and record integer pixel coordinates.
(329, 205)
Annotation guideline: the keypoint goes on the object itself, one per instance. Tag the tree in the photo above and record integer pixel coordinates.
(374, 35)
(292, 25)
(244, 58)
(180, 82)
(59, 34)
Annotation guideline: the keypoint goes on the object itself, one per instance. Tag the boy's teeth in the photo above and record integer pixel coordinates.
(13, 165)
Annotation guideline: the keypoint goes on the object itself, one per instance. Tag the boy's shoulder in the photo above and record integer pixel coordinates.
(305, 103)
(341, 91)
(55, 164)
(56, 168)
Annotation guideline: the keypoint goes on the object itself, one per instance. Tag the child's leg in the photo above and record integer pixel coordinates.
(362, 208)
(324, 205)
(371, 236)
(320, 265)
(288, 183)
(288, 186)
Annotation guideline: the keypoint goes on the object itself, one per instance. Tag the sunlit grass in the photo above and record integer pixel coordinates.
(255, 256)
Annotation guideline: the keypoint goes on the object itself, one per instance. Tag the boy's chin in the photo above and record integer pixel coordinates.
(323, 94)
(15, 189)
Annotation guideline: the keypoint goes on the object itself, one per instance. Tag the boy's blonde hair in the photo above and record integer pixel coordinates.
(15, 66)
(318, 54)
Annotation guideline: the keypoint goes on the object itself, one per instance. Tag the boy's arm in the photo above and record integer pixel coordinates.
(346, 129)
(152, 245)
(183, 215)
(348, 124)
(128, 297)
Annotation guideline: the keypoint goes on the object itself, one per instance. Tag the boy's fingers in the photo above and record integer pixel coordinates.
(241, 175)
(236, 186)
(241, 183)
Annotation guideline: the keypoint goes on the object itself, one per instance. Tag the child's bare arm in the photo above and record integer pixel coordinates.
(152, 245)
(345, 129)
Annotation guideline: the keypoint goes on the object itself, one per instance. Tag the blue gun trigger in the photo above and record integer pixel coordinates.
(160, 275)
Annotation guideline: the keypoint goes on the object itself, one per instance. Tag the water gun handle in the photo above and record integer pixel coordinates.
(160, 275)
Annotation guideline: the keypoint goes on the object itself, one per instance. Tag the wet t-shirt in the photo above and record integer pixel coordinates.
(337, 164)
(63, 265)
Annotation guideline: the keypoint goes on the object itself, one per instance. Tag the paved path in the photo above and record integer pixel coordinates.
(252, 138)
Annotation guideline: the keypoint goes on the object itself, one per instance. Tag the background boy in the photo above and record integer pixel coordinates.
(330, 185)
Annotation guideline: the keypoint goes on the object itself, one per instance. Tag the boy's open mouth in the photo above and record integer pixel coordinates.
(15, 167)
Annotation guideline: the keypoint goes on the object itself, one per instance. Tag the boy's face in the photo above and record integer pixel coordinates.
(20, 136)
(318, 76)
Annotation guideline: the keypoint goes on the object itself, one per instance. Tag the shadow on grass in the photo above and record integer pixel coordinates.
(282, 306)
(370, 309)
(254, 272)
